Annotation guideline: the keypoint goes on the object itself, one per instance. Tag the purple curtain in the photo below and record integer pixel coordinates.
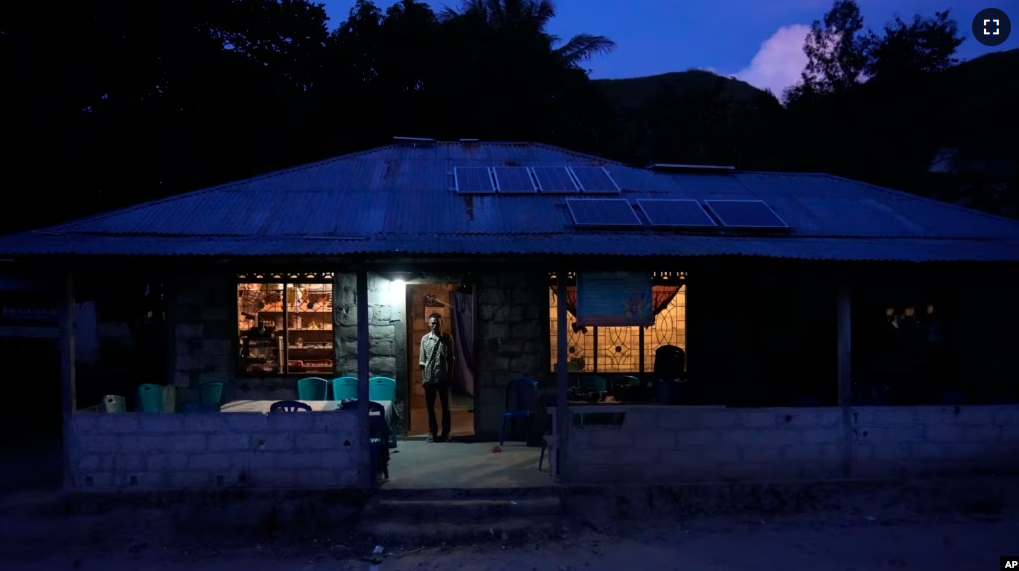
(463, 343)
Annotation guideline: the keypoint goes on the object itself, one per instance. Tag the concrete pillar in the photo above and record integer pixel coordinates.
(562, 376)
(845, 376)
(362, 374)
(67, 370)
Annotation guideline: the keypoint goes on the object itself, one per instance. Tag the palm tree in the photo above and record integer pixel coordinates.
(527, 19)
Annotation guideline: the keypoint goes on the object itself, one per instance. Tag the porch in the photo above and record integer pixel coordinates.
(732, 431)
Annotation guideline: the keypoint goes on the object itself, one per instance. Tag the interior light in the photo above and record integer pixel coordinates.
(396, 286)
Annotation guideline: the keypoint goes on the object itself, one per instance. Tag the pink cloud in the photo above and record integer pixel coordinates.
(779, 61)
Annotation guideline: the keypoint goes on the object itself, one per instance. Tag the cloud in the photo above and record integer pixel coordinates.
(779, 61)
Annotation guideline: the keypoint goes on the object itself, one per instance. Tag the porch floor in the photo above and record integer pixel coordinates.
(465, 465)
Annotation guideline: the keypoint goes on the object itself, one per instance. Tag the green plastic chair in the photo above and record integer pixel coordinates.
(114, 403)
(625, 381)
(345, 388)
(381, 388)
(590, 383)
(210, 395)
(312, 388)
(150, 398)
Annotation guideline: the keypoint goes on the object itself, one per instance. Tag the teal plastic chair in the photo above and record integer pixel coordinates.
(590, 383)
(210, 395)
(312, 388)
(150, 398)
(345, 388)
(381, 388)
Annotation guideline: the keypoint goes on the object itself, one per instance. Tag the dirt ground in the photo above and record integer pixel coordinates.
(815, 542)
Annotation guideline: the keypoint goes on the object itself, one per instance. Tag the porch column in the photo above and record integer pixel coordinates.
(844, 348)
(845, 385)
(67, 385)
(363, 348)
(562, 377)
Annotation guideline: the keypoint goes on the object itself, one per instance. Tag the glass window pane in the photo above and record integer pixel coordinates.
(310, 328)
(259, 326)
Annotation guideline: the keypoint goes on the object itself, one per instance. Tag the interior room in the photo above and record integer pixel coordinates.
(451, 302)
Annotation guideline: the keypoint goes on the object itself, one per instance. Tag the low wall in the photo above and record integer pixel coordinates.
(671, 444)
(215, 451)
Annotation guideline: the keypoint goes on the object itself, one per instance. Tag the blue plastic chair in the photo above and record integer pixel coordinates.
(210, 395)
(345, 388)
(150, 398)
(521, 394)
(289, 406)
(382, 388)
(312, 388)
(379, 434)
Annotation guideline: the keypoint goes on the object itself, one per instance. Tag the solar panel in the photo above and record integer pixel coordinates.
(676, 213)
(514, 180)
(595, 180)
(745, 214)
(602, 212)
(555, 180)
(473, 180)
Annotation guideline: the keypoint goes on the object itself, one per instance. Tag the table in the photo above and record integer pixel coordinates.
(263, 406)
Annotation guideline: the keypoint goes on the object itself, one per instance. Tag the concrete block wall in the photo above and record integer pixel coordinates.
(202, 313)
(670, 444)
(136, 451)
(511, 339)
(935, 439)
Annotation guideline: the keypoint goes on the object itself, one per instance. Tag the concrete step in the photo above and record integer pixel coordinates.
(463, 509)
(390, 493)
(394, 534)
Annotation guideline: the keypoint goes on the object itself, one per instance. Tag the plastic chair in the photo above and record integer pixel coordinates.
(345, 388)
(312, 388)
(210, 395)
(379, 434)
(113, 403)
(289, 406)
(624, 381)
(382, 388)
(547, 401)
(589, 383)
(150, 398)
(521, 393)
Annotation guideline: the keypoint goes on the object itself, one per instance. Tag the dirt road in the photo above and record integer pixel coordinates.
(849, 543)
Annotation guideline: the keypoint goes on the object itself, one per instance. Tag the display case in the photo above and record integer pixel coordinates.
(310, 328)
(300, 318)
(260, 353)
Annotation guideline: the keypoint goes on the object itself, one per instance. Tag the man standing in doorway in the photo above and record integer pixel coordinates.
(436, 374)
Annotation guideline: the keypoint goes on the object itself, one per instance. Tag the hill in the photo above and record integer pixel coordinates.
(637, 91)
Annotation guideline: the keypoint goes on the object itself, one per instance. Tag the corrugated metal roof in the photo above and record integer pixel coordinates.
(399, 198)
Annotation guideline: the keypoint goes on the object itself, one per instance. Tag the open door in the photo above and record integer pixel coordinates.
(462, 301)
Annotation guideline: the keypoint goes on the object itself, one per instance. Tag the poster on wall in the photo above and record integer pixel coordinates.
(614, 299)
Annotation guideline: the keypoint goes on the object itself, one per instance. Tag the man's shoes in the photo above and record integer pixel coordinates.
(443, 438)
(431, 438)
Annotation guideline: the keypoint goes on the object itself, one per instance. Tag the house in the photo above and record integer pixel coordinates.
(833, 328)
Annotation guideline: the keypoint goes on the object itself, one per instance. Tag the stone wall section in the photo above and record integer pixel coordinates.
(143, 452)
(511, 340)
(662, 444)
(387, 325)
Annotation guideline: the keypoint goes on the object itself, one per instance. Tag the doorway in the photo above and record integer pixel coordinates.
(454, 305)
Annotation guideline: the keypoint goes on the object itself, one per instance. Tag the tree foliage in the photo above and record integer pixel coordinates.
(138, 100)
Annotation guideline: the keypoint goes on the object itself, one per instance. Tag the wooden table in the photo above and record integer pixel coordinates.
(263, 406)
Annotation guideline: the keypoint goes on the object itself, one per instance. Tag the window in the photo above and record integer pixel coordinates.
(619, 349)
(285, 327)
